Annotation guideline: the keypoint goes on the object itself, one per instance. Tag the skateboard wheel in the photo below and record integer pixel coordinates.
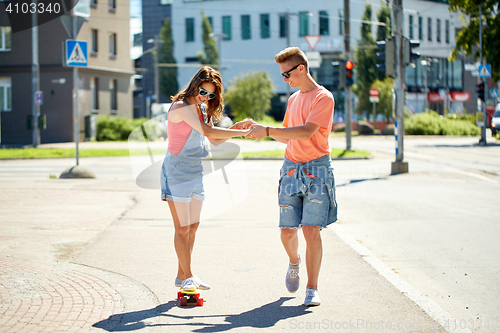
(199, 302)
(196, 296)
(179, 295)
(183, 301)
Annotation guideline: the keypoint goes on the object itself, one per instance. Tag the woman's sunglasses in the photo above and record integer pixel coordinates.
(287, 73)
(203, 92)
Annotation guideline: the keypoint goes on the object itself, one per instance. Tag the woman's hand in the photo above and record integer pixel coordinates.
(244, 124)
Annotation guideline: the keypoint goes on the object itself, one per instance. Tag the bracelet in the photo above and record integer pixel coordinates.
(267, 130)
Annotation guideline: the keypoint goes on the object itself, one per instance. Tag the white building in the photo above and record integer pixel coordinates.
(251, 32)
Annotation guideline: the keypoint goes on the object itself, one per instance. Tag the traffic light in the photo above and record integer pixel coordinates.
(408, 54)
(338, 74)
(480, 91)
(349, 74)
(388, 56)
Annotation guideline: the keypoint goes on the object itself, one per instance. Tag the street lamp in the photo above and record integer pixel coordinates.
(425, 68)
(156, 42)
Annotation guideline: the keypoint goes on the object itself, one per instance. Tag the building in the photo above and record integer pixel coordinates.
(154, 12)
(250, 33)
(104, 86)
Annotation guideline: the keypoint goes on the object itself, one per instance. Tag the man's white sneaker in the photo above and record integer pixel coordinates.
(190, 284)
(292, 280)
(202, 286)
(312, 297)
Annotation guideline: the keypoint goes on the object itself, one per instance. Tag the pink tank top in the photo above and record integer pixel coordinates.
(178, 134)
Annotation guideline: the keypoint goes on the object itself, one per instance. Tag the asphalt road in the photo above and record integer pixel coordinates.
(436, 227)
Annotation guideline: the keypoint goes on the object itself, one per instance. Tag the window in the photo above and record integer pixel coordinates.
(265, 29)
(165, 2)
(410, 26)
(94, 93)
(429, 29)
(324, 24)
(113, 94)
(438, 30)
(226, 27)
(5, 94)
(93, 41)
(93, 3)
(211, 21)
(137, 39)
(189, 29)
(447, 31)
(283, 26)
(341, 21)
(420, 28)
(5, 38)
(303, 24)
(112, 4)
(246, 32)
(112, 45)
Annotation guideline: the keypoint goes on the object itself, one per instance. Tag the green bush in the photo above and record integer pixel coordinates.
(119, 128)
(433, 124)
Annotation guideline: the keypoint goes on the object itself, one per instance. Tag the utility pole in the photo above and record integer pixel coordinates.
(156, 41)
(483, 103)
(348, 98)
(35, 76)
(76, 84)
(399, 166)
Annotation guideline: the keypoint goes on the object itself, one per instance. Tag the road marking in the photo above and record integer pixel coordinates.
(473, 175)
(425, 303)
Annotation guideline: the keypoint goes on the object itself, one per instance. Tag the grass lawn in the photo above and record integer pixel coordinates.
(30, 153)
(336, 153)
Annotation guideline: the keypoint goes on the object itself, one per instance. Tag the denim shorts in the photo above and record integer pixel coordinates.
(182, 180)
(300, 209)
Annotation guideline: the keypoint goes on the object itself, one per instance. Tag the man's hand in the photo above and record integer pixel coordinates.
(244, 124)
(259, 131)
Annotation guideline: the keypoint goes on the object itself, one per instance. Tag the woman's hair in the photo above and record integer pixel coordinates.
(292, 55)
(214, 106)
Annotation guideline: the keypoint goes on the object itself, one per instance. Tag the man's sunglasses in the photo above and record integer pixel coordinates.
(287, 73)
(203, 92)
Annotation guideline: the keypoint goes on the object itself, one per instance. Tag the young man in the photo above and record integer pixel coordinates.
(306, 186)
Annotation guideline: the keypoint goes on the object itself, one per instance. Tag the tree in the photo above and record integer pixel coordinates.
(384, 106)
(366, 62)
(468, 38)
(211, 56)
(250, 95)
(168, 75)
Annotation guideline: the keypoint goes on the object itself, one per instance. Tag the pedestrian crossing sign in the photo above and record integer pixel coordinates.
(76, 53)
(484, 71)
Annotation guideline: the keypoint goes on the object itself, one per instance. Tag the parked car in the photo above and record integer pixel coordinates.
(495, 120)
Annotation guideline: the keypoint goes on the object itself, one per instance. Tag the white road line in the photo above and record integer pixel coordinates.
(425, 303)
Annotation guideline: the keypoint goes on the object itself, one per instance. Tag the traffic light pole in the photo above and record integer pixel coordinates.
(348, 101)
(399, 166)
(483, 103)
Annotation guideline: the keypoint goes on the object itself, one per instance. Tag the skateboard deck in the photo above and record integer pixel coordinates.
(188, 297)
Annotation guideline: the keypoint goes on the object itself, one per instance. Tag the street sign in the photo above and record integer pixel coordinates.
(374, 99)
(314, 58)
(76, 53)
(484, 71)
(494, 93)
(312, 41)
(38, 98)
(374, 92)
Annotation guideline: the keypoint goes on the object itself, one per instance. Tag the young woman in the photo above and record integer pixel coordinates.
(191, 117)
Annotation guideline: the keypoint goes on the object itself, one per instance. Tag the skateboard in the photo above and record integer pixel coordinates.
(189, 297)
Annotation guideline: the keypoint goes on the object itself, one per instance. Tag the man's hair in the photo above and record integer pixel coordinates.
(292, 55)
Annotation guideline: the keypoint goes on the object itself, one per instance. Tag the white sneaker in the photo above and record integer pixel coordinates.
(292, 280)
(202, 286)
(190, 284)
(312, 297)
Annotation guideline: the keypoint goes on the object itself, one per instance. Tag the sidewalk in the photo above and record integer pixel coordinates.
(97, 255)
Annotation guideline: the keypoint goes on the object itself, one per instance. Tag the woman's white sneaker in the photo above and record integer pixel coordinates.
(202, 286)
(312, 297)
(292, 280)
(190, 284)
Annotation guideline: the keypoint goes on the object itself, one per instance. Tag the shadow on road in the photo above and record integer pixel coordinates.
(265, 316)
